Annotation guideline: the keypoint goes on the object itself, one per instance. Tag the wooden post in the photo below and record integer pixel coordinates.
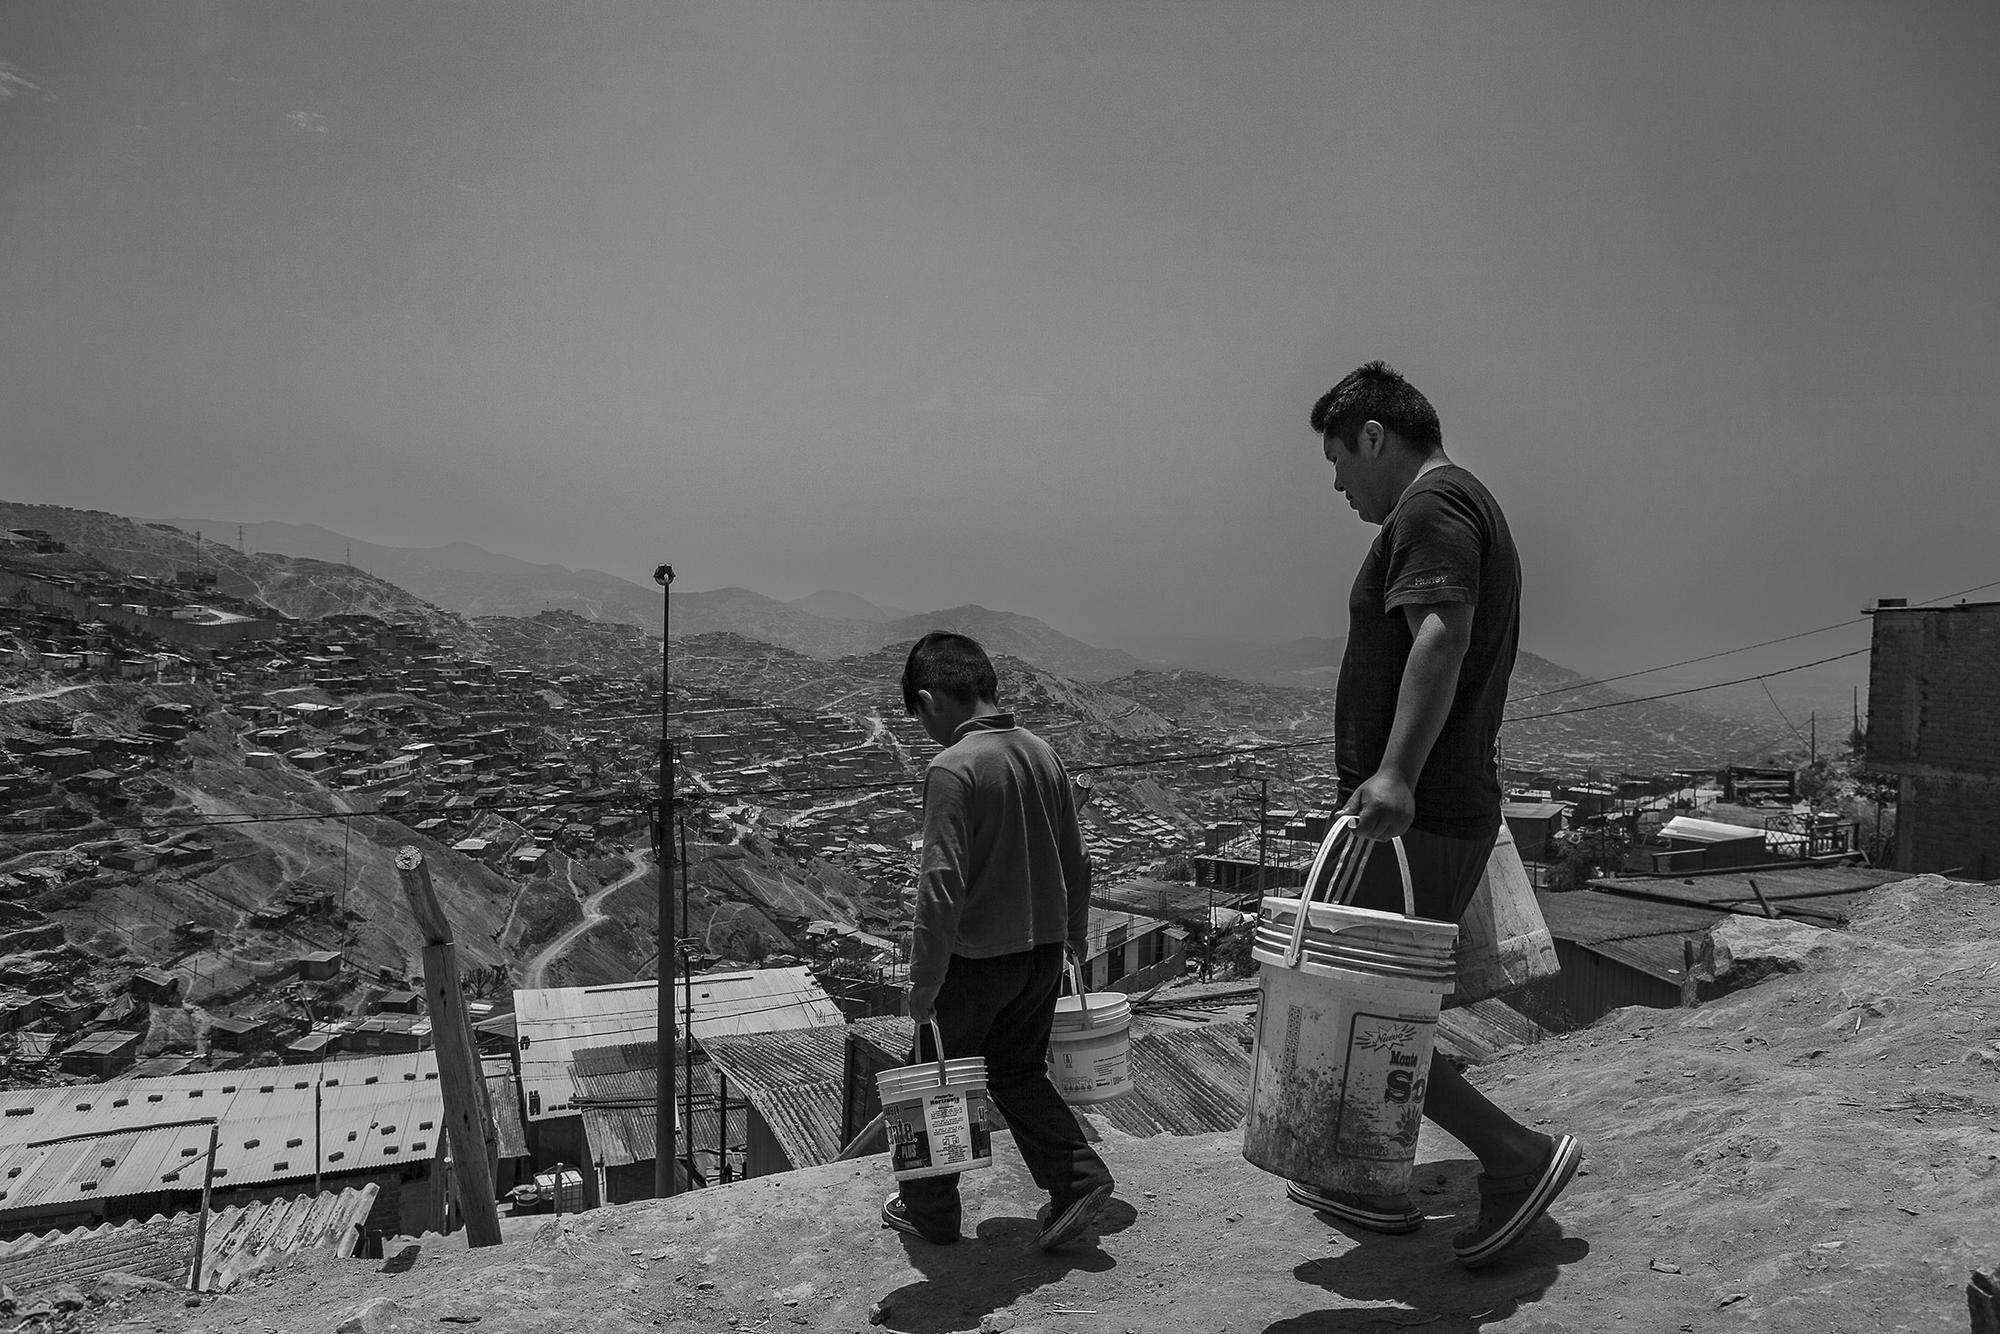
(201, 1219)
(1769, 911)
(468, 1117)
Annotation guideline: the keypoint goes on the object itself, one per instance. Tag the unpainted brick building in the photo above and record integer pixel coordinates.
(1934, 723)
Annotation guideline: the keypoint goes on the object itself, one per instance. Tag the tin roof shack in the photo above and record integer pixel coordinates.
(101, 1055)
(377, 1120)
(617, 1091)
(388, 1032)
(156, 984)
(1709, 845)
(807, 1091)
(239, 1035)
(553, 1023)
(1615, 951)
(1934, 726)
(1124, 952)
(1534, 825)
(320, 965)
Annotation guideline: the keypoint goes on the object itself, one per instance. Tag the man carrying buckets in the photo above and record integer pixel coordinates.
(1004, 890)
(1433, 624)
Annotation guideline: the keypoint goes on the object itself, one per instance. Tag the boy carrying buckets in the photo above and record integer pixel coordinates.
(1003, 891)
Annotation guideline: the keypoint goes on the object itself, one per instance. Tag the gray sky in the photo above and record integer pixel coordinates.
(1026, 304)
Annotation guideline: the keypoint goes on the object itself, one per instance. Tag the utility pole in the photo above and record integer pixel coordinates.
(468, 1117)
(1263, 834)
(687, 1001)
(663, 1098)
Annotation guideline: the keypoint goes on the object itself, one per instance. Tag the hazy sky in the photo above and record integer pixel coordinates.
(1026, 304)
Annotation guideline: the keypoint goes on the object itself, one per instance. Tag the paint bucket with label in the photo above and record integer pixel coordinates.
(1090, 1044)
(934, 1114)
(1349, 1006)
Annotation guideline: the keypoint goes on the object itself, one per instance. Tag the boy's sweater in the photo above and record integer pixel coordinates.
(1003, 866)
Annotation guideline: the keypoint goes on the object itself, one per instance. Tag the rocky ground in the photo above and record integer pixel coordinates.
(1819, 1152)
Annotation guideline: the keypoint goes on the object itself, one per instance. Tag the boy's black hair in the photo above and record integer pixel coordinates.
(1376, 392)
(947, 663)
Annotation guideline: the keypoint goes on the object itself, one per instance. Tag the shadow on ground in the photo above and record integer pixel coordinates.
(991, 1270)
(1420, 1276)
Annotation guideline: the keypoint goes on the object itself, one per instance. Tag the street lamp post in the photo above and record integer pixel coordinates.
(663, 1101)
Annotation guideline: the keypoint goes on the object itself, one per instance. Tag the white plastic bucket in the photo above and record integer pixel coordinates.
(1090, 1044)
(934, 1114)
(1349, 1007)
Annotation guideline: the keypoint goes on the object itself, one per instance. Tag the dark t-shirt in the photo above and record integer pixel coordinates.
(1446, 541)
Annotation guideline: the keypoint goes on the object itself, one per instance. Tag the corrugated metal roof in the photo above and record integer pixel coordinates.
(795, 1080)
(1818, 894)
(767, 1000)
(1478, 1032)
(1185, 1081)
(554, 1022)
(617, 1091)
(1642, 934)
(375, 1111)
(241, 1238)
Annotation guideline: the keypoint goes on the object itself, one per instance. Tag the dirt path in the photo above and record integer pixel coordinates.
(31, 696)
(1819, 1153)
(537, 972)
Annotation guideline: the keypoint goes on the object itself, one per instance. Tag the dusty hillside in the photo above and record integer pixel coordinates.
(1816, 1153)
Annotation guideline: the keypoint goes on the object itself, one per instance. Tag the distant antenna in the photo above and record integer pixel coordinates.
(350, 553)
(239, 540)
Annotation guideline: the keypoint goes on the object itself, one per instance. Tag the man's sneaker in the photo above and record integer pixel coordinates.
(896, 1216)
(1065, 1224)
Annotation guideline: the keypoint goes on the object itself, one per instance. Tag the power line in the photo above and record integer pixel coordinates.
(1781, 712)
(1728, 652)
(1691, 690)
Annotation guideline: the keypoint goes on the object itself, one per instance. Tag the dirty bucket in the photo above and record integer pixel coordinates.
(1090, 1045)
(1349, 1006)
(934, 1114)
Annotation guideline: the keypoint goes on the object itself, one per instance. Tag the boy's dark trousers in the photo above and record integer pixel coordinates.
(1002, 1008)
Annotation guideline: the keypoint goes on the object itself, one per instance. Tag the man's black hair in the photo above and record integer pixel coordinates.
(1376, 392)
(947, 663)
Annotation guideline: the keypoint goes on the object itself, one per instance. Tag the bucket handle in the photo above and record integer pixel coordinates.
(937, 1045)
(1073, 974)
(1345, 880)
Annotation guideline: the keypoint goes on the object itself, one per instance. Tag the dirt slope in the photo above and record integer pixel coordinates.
(1817, 1153)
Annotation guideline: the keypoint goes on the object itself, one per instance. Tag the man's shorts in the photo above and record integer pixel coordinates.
(1444, 872)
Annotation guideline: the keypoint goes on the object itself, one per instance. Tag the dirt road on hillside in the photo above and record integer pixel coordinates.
(537, 972)
(1819, 1153)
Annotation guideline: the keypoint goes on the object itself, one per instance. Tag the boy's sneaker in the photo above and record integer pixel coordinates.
(1063, 1224)
(896, 1216)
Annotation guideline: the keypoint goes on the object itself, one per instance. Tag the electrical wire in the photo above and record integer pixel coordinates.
(1728, 652)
